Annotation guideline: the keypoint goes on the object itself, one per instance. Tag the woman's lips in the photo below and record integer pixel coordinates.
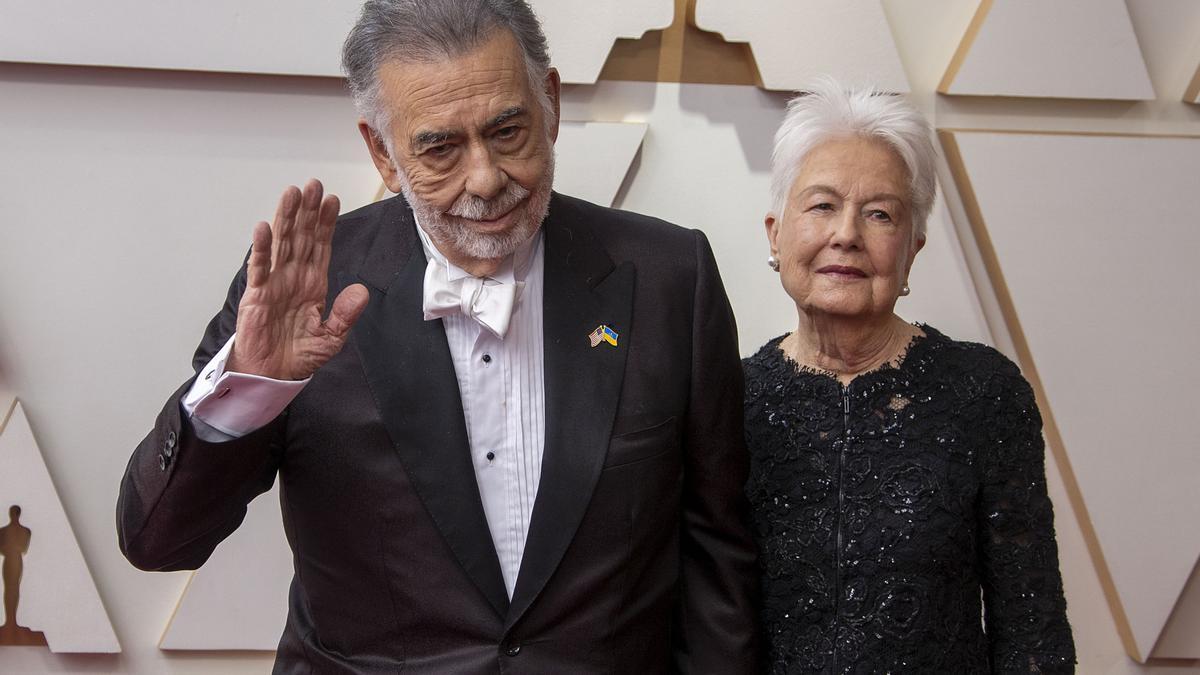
(842, 271)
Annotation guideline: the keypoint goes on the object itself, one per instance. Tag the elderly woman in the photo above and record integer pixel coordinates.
(897, 475)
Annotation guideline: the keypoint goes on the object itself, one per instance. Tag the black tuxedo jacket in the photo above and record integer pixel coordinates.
(638, 558)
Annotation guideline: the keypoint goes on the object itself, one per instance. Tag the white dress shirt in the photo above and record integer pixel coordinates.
(501, 382)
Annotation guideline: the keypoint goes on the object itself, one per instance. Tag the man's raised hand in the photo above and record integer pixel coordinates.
(280, 332)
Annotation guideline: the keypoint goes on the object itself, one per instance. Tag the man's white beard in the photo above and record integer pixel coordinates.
(447, 229)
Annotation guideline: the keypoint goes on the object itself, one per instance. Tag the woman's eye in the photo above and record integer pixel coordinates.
(881, 215)
(823, 206)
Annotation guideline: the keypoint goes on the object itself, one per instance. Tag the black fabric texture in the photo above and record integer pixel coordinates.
(903, 521)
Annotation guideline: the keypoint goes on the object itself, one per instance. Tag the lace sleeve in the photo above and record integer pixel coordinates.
(1024, 609)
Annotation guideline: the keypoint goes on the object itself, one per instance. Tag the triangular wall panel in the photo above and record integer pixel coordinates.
(581, 33)
(1105, 328)
(1061, 49)
(58, 597)
(795, 41)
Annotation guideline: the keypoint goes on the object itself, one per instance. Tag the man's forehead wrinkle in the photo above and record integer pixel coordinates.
(435, 109)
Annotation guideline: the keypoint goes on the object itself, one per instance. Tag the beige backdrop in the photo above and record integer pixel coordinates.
(127, 196)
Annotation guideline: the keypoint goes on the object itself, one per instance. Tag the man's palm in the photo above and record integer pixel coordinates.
(280, 332)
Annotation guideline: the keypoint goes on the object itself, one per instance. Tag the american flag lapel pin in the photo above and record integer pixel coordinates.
(602, 334)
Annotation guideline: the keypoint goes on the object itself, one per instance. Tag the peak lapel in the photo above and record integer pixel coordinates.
(582, 291)
(410, 372)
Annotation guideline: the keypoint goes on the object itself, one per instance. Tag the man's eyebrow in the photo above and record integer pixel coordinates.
(510, 113)
(425, 139)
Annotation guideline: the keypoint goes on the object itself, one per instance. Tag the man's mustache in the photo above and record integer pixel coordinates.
(473, 207)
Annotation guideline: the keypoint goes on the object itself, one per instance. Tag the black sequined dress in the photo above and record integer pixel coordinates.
(888, 511)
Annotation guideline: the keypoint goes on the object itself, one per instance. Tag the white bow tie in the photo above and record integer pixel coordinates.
(489, 302)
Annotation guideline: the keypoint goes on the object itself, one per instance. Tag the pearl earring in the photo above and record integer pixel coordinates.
(905, 290)
(773, 263)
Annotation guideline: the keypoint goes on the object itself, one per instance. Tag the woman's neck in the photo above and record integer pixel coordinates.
(848, 347)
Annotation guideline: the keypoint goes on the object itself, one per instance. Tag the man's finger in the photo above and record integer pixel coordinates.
(348, 306)
(258, 267)
(307, 220)
(284, 223)
(330, 208)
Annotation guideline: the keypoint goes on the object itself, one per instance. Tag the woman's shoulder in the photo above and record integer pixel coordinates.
(768, 357)
(975, 367)
(976, 357)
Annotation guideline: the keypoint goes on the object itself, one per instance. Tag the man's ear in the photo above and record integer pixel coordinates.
(553, 85)
(379, 155)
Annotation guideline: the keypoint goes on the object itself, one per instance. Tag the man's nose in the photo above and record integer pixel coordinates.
(485, 178)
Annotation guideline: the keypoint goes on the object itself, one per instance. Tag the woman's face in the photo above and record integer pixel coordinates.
(845, 241)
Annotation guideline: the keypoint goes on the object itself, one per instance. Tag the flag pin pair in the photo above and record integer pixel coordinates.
(603, 334)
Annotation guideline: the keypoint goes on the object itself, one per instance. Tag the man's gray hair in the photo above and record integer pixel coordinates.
(429, 31)
(828, 110)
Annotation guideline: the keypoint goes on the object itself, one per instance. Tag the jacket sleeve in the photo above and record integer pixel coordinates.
(1024, 608)
(717, 618)
(180, 495)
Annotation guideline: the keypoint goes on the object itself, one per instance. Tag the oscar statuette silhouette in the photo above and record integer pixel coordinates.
(14, 543)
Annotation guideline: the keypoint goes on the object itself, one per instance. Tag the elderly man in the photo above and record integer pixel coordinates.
(514, 442)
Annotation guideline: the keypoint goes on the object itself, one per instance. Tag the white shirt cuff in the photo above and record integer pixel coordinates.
(236, 404)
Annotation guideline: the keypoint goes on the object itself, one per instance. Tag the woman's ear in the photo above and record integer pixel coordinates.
(772, 225)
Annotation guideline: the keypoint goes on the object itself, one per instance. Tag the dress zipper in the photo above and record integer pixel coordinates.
(837, 605)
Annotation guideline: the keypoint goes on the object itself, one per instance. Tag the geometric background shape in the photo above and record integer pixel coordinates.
(141, 185)
(1059, 49)
(1182, 633)
(789, 58)
(58, 596)
(287, 37)
(1192, 95)
(593, 158)
(581, 33)
(1091, 241)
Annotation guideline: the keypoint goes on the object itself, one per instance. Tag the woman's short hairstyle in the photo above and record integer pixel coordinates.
(828, 110)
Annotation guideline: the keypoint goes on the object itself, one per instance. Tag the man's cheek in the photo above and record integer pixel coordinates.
(438, 189)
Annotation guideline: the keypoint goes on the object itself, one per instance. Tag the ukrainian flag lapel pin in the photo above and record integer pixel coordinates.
(603, 334)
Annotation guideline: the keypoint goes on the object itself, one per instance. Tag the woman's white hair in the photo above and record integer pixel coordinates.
(828, 110)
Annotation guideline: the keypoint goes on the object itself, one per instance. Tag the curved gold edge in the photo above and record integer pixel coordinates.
(964, 46)
(1192, 95)
(381, 193)
(8, 414)
(1173, 663)
(1046, 132)
(1054, 439)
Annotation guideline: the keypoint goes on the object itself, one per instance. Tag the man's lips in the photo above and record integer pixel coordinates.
(500, 220)
(842, 270)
